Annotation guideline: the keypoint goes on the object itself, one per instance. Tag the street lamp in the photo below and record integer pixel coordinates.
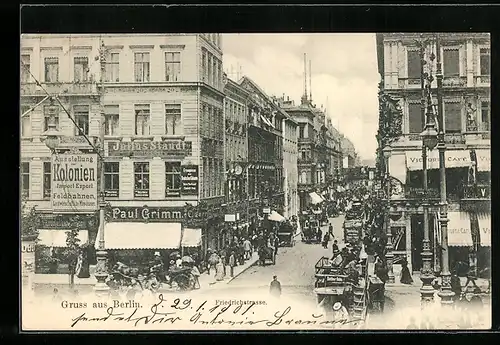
(51, 137)
(387, 151)
(429, 142)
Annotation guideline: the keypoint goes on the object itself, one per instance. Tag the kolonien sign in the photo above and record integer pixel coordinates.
(74, 182)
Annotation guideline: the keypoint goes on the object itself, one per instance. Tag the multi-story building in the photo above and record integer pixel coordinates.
(465, 61)
(236, 153)
(290, 168)
(265, 151)
(162, 98)
(350, 157)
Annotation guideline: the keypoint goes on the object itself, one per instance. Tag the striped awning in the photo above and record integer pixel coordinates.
(459, 229)
(484, 220)
(483, 160)
(57, 238)
(124, 235)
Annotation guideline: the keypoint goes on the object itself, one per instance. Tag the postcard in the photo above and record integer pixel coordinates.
(208, 181)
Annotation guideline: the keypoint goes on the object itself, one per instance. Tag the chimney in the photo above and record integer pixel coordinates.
(288, 98)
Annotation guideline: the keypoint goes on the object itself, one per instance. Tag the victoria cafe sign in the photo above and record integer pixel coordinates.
(74, 183)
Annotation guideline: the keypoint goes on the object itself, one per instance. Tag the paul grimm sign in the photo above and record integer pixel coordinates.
(74, 183)
(151, 214)
(162, 149)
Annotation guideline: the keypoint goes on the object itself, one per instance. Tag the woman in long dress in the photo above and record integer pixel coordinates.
(405, 273)
(219, 271)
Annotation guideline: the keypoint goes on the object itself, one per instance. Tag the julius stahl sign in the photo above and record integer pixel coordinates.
(74, 183)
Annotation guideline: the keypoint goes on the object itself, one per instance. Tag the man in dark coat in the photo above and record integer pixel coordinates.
(275, 287)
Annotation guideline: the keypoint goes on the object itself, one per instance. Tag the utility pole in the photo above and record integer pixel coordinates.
(101, 288)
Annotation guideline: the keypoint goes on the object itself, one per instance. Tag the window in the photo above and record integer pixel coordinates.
(113, 68)
(25, 179)
(173, 179)
(214, 71)
(451, 63)
(414, 64)
(25, 68)
(453, 117)
(484, 56)
(51, 70)
(173, 119)
(204, 65)
(141, 64)
(25, 122)
(302, 131)
(81, 113)
(141, 180)
(81, 69)
(172, 66)
(209, 79)
(46, 179)
(142, 119)
(48, 112)
(111, 179)
(485, 116)
(415, 120)
(111, 119)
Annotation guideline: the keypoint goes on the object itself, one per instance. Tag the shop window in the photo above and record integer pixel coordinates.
(173, 178)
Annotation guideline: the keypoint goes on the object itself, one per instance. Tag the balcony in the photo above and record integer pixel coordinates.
(305, 161)
(483, 80)
(450, 138)
(418, 193)
(454, 81)
(476, 192)
(73, 89)
(305, 141)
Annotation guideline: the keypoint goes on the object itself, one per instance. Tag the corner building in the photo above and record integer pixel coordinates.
(465, 61)
(164, 123)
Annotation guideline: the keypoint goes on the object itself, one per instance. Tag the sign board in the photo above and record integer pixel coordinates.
(74, 183)
(266, 210)
(146, 214)
(230, 218)
(189, 180)
(161, 149)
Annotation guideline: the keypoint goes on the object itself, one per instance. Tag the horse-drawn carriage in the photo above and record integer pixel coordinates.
(311, 232)
(286, 234)
(266, 253)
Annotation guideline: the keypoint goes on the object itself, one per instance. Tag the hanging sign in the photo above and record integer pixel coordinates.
(74, 183)
(189, 180)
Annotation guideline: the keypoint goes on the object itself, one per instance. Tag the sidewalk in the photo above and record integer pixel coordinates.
(209, 280)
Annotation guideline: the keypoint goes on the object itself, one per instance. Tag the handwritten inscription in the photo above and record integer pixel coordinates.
(176, 311)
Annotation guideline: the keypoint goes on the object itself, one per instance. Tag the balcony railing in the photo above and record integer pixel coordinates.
(418, 193)
(483, 80)
(450, 138)
(81, 88)
(454, 81)
(481, 191)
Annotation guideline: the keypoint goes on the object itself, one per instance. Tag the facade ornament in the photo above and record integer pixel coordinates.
(471, 117)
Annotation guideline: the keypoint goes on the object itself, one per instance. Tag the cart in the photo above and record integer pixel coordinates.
(266, 254)
(286, 235)
(376, 295)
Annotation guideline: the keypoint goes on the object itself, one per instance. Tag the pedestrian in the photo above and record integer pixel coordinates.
(405, 273)
(247, 247)
(340, 313)
(456, 286)
(178, 261)
(412, 324)
(330, 230)
(196, 276)
(335, 248)
(219, 271)
(56, 296)
(275, 287)
(232, 263)
(326, 239)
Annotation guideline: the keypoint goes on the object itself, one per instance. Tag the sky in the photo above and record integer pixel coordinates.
(344, 75)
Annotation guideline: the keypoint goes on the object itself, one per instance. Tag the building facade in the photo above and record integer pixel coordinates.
(290, 168)
(162, 98)
(465, 61)
(265, 151)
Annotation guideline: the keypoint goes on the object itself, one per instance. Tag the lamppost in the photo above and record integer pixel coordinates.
(429, 141)
(389, 256)
(445, 293)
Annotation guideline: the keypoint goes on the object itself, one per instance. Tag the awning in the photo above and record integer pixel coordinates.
(276, 217)
(397, 167)
(459, 229)
(483, 160)
(484, 220)
(317, 211)
(266, 121)
(191, 238)
(453, 159)
(315, 198)
(57, 238)
(123, 235)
